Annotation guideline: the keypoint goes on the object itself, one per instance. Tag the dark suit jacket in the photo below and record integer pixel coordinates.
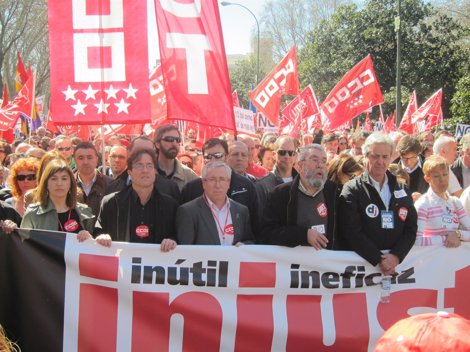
(195, 223)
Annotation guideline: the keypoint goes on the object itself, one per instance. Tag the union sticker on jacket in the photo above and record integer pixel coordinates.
(402, 213)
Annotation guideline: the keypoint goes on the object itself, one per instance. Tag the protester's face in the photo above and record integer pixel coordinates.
(26, 180)
(307, 139)
(332, 147)
(169, 145)
(216, 184)
(58, 185)
(357, 145)
(342, 144)
(410, 160)
(378, 158)
(438, 180)
(256, 147)
(286, 162)
(86, 161)
(449, 152)
(238, 158)
(466, 157)
(215, 153)
(65, 148)
(186, 160)
(143, 173)
(313, 168)
(269, 158)
(118, 160)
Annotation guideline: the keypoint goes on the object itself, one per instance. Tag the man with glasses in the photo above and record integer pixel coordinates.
(139, 213)
(167, 141)
(302, 212)
(409, 149)
(283, 170)
(117, 161)
(213, 218)
(376, 211)
(64, 146)
(240, 188)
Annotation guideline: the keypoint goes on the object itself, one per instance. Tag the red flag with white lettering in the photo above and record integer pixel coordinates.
(357, 91)
(194, 64)
(405, 124)
(21, 105)
(157, 97)
(283, 79)
(432, 106)
(298, 110)
(99, 62)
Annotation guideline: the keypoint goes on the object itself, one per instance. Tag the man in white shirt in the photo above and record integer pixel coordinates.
(446, 147)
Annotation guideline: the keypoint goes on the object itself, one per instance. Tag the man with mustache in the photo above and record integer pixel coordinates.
(302, 212)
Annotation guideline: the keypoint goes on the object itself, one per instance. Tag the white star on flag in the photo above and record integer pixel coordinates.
(102, 107)
(111, 92)
(122, 106)
(90, 92)
(79, 108)
(69, 93)
(130, 91)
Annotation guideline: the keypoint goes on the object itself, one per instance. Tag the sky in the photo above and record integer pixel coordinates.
(237, 27)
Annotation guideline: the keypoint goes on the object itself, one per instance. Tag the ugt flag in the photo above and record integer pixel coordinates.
(99, 62)
(194, 64)
(357, 92)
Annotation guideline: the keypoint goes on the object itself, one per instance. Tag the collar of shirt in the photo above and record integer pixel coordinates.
(384, 193)
(135, 199)
(214, 207)
(306, 191)
(86, 188)
(418, 164)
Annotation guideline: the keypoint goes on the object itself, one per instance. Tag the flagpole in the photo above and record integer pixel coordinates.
(381, 112)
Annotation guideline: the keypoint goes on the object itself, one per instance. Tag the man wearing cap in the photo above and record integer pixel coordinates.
(213, 218)
(377, 212)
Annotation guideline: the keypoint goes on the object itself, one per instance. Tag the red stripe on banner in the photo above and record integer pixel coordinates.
(99, 266)
(97, 321)
(152, 312)
(255, 323)
(257, 274)
(305, 327)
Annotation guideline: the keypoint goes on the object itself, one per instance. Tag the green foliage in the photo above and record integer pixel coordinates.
(431, 53)
(242, 77)
(460, 104)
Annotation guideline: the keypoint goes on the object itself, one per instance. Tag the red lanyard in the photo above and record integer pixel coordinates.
(222, 229)
(60, 224)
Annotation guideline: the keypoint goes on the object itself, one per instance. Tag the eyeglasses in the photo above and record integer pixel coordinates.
(61, 149)
(30, 177)
(217, 156)
(215, 180)
(141, 167)
(122, 157)
(409, 158)
(171, 139)
(284, 152)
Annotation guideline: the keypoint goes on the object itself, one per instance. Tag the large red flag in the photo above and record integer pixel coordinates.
(432, 106)
(298, 110)
(433, 120)
(405, 124)
(157, 97)
(283, 79)
(99, 62)
(357, 91)
(21, 105)
(194, 63)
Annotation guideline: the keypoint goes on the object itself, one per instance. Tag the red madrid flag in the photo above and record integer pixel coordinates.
(405, 124)
(194, 65)
(432, 107)
(283, 79)
(99, 62)
(357, 92)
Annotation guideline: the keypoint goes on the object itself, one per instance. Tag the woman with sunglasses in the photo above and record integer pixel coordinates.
(56, 206)
(22, 179)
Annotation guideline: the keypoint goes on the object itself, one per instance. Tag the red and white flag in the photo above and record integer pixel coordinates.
(283, 79)
(432, 106)
(194, 64)
(433, 120)
(367, 123)
(405, 124)
(235, 100)
(5, 95)
(357, 91)
(157, 97)
(298, 110)
(99, 62)
(21, 105)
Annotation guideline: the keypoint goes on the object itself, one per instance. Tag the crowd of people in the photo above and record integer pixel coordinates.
(375, 194)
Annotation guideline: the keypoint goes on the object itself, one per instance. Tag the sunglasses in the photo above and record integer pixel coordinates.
(31, 177)
(284, 152)
(218, 155)
(61, 149)
(171, 139)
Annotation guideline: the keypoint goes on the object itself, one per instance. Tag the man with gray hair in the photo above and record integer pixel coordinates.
(461, 166)
(213, 218)
(376, 211)
(446, 147)
(302, 212)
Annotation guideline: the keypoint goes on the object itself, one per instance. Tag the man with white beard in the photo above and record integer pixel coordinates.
(302, 212)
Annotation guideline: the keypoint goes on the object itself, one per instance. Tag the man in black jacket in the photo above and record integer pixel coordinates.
(376, 211)
(302, 212)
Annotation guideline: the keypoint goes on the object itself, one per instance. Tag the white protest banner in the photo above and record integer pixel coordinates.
(244, 121)
(461, 130)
